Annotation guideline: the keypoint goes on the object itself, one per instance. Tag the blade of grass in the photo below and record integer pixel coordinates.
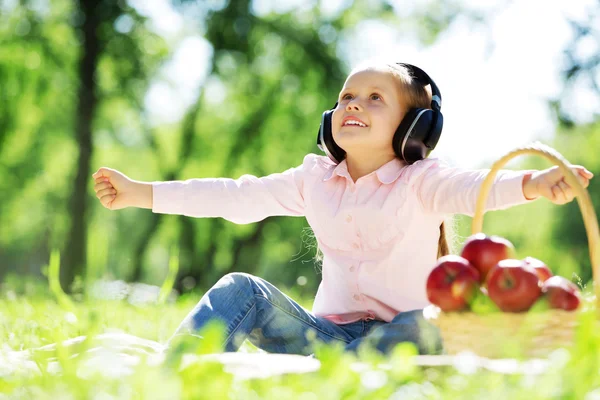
(54, 280)
(169, 281)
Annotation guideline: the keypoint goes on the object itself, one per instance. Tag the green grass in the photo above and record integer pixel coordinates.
(35, 313)
(30, 317)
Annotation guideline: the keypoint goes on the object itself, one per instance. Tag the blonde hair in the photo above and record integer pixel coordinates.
(413, 95)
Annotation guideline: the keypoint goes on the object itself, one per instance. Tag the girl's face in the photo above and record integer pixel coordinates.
(368, 113)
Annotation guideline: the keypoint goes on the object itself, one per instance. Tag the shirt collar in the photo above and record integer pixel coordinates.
(389, 172)
(386, 174)
(341, 169)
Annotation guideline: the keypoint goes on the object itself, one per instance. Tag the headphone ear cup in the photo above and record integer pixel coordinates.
(413, 131)
(436, 131)
(325, 140)
(403, 130)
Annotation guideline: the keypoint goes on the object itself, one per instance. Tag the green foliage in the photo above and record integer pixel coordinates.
(269, 79)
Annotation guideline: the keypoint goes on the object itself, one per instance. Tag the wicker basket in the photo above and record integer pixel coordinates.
(529, 334)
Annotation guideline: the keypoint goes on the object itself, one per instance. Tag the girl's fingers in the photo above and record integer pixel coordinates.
(102, 185)
(555, 193)
(105, 192)
(558, 195)
(584, 181)
(583, 175)
(107, 200)
(583, 171)
(102, 171)
(102, 179)
(566, 190)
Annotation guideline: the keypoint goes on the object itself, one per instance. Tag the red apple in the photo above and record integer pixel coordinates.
(452, 283)
(561, 293)
(484, 252)
(540, 268)
(513, 286)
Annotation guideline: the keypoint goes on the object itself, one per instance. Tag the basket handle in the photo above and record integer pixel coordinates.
(583, 198)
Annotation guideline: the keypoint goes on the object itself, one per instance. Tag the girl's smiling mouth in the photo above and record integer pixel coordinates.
(353, 121)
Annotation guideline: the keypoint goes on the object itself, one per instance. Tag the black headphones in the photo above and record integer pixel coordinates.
(416, 136)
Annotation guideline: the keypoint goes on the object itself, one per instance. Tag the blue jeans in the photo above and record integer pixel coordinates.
(252, 308)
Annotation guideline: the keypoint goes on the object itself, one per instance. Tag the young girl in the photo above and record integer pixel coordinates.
(376, 204)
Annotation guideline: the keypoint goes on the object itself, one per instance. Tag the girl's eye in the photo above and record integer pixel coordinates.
(373, 96)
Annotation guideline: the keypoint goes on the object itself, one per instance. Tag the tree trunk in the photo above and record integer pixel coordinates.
(75, 252)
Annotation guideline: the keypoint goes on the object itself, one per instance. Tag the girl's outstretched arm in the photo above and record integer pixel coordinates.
(441, 188)
(244, 200)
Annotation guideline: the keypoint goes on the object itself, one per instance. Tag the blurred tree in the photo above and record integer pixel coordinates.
(84, 68)
(65, 61)
(33, 60)
(93, 44)
(101, 36)
(579, 142)
(569, 236)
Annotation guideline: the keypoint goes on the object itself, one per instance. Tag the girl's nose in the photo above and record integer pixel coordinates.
(353, 105)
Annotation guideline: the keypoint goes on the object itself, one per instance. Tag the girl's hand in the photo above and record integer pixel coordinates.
(114, 189)
(550, 183)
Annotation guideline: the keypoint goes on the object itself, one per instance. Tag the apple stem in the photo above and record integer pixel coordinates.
(450, 277)
(507, 282)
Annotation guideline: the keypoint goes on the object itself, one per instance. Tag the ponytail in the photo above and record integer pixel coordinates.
(442, 242)
(445, 240)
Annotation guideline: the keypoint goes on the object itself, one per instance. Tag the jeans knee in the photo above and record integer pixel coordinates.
(236, 283)
(237, 278)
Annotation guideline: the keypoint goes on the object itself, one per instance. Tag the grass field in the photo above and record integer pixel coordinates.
(31, 317)
(105, 342)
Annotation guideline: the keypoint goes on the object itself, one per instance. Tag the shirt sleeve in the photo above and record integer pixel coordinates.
(244, 200)
(445, 189)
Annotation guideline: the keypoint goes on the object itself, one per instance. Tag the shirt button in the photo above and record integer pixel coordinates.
(352, 268)
(355, 245)
(349, 218)
(356, 297)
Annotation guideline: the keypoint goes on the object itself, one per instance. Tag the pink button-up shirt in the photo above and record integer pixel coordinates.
(379, 235)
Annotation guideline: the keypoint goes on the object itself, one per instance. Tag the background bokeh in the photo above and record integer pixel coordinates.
(166, 90)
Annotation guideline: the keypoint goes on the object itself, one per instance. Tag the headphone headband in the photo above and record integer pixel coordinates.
(421, 76)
